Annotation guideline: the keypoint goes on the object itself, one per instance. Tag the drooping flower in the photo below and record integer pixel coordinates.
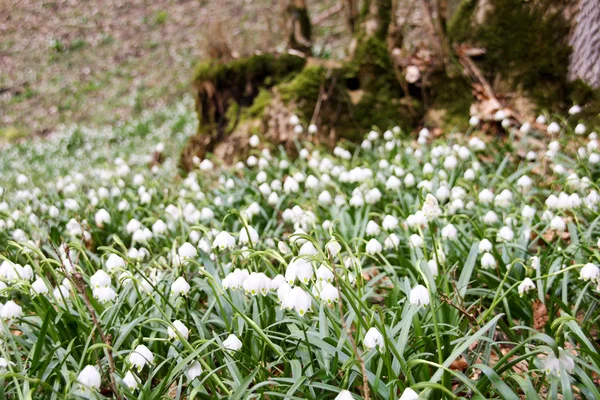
(11, 310)
(180, 327)
(141, 356)
(409, 394)
(114, 261)
(180, 287)
(89, 378)
(554, 365)
(193, 371)
(344, 395)
(248, 236)
(590, 271)
(419, 296)
(526, 286)
(373, 338)
(431, 207)
(131, 381)
(232, 343)
(223, 241)
(297, 299)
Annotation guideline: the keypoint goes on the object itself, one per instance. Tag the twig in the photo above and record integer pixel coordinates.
(443, 297)
(79, 283)
(319, 18)
(366, 393)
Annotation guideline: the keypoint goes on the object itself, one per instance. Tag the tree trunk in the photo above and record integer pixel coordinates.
(298, 26)
(584, 62)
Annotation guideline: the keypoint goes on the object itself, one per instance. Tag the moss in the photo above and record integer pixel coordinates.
(257, 109)
(582, 94)
(460, 24)
(366, 92)
(271, 68)
(453, 95)
(525, 43)
(225, 90)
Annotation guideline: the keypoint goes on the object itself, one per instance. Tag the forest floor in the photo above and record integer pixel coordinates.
(107, 60)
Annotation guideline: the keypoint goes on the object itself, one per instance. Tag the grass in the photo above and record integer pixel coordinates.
(476, 336)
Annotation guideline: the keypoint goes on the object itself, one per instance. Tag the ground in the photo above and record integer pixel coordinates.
(110, 59)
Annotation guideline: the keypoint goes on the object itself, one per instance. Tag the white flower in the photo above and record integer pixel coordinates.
(308, 249)
(291, 185)
(102, 217)
(11, 310)
(131, 381)
(333, 247)
(193, 371)
(449, 232)
(558, 224)
(419, 296)
(141, 356)
(373, 247)
(389, 223)
(415, 240)
(180, 287)
(297, 299)
(232, 343)
(553, 128)
(505, 234)
(181, 328)
(39, 286)
(574, 110)
(528, 212)
(372, 228)
(373, 339)
(431, 208)
(588, 272)
(392, 241)
(327, 292)
(490, 217)
(187, 251)
(223, 241)
(580, 129)
(409, 394)
(488, 261)
(474, 120)
(486, 196)
(526, 286)
(89, 378)
(159, 227)
(324, 273)
(373, 196)
(312, 129)
(104, 294)
(300, 269)
(254, 141)
(412, 74)
(114, 261)
(100, 279)
(235, 279)
(554, 365)
(257, 282)
(393, 183)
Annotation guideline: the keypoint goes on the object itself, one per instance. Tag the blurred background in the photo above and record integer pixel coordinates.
(102, 61)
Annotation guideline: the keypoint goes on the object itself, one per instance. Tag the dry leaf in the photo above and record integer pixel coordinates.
(540, 315)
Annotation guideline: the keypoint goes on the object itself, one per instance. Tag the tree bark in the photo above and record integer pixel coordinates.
(299, 26)
(584, 62)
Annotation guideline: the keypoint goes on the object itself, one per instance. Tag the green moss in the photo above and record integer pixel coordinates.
(257, 109)
(369, 76)
(453, 95)
(267, 68)
(460, 25)
(525, 43)
(306, 84)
